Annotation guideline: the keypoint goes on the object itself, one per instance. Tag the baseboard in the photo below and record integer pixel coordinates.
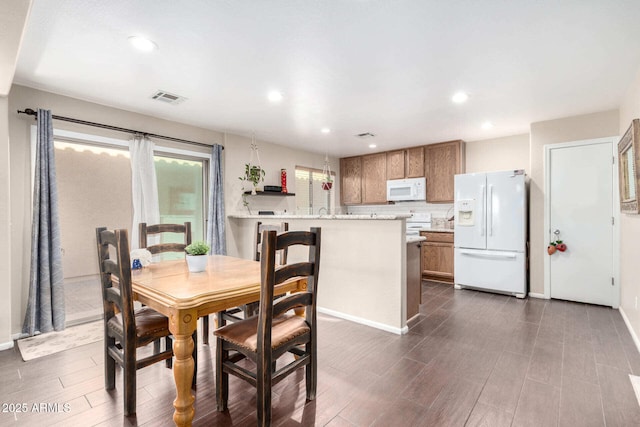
(6, 345)
(630, 328)
(537, 295)
(366, 322)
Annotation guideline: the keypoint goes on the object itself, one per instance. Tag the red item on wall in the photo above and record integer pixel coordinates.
(283, 180)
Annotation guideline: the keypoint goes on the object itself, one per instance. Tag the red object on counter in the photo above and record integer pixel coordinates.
(283, 180)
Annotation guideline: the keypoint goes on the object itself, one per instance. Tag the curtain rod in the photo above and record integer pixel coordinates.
(31, 112)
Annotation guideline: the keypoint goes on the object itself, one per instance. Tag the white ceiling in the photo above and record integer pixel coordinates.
(385, 67)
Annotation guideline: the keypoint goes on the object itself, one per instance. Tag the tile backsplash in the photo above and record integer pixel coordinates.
(439, 212)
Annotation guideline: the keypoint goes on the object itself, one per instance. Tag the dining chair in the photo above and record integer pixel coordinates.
(280, 228)
(251, 309)
(275, 331)
(158, 229)
(126, 329)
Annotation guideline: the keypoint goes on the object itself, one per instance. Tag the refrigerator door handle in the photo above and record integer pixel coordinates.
(489, 254)
(490, 209)
(484, 210)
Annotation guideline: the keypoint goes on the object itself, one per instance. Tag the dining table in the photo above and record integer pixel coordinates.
(171, 289)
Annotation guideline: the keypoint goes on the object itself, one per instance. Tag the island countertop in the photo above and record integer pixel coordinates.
(351, 217)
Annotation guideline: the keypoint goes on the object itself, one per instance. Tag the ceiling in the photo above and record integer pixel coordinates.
(385, 67)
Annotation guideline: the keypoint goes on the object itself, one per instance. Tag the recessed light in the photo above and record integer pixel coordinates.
(372, 145)
(143, 44)
(487, 125)
(460, 97)
(325, 130)
(274, 96)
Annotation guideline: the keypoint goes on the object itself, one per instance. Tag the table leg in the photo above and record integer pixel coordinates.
(182, 326)
(302, 286)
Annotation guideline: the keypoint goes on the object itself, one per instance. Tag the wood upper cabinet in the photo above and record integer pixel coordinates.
(415, 162)
(437, 256)
(442, 162)
(351, 180)
(407, 163)
(374, 178)
(395, 164)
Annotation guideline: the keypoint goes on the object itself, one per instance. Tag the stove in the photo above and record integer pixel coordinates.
(416, 222)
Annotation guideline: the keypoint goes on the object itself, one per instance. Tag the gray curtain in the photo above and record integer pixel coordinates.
(45, 307)
(215, 220)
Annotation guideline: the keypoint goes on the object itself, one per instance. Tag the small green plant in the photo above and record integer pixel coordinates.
(253, 174)
(199, 247)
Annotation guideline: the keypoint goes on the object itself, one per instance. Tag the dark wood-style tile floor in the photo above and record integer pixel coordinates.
(475, 359)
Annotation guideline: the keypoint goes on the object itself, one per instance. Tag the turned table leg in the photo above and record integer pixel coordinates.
(182, 326)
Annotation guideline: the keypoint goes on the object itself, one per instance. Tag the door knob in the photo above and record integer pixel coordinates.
(556, 232)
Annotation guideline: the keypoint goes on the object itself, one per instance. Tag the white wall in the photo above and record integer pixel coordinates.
(630, 224)
(498, 154)
(5, 230)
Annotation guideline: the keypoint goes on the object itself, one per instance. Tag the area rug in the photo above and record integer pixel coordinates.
(54, 342)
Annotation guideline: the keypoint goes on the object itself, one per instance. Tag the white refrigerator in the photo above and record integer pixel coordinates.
(490, 236)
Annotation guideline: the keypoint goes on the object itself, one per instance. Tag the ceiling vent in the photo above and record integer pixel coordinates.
(166, 97)
(365, 135)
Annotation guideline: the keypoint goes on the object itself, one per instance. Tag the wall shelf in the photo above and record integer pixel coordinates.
(269, 193)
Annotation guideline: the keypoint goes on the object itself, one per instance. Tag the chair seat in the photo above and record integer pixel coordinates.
(149, 323)
(244, 333)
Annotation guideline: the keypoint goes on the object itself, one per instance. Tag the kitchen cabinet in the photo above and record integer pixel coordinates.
(374, 178)
(415, 162)
(407, 163)
(351, 180)
(442, 162)
(437, 256)
(395, 164)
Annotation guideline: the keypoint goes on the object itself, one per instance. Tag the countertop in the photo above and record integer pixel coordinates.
(351, 217)
(415, 239)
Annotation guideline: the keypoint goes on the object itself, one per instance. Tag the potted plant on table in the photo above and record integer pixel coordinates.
(197, 256)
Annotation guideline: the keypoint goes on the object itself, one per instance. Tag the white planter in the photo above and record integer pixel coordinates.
(197, 263)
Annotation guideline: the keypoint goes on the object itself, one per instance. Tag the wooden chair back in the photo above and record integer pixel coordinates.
(283, 227)
(271, 276)
(150, 230)
(116, 298)
(274, 332)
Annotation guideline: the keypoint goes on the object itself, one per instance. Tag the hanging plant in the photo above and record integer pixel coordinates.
(253, 172)
(327, 182)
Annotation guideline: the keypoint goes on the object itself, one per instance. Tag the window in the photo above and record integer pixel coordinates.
(181, 196)
(311, 198)
(89, 173)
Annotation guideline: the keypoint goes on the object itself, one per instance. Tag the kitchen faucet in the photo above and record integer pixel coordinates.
(326, 211)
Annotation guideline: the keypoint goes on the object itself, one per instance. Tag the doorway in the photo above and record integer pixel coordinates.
(581, 211)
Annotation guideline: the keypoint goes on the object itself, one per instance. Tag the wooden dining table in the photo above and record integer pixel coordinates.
(169, 288)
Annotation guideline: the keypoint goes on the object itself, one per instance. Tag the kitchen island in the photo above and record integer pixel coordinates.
(363, 264)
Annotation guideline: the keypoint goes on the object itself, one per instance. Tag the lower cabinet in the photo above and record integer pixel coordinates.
(437, 256)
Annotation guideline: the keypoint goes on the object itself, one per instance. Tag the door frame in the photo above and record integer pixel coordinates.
(616, 212)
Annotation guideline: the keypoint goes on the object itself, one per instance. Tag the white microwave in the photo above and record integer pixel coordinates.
(406, 189)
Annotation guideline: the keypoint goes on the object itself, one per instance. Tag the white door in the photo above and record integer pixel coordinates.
(470, 213)
(506, 211)
(581, 211)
